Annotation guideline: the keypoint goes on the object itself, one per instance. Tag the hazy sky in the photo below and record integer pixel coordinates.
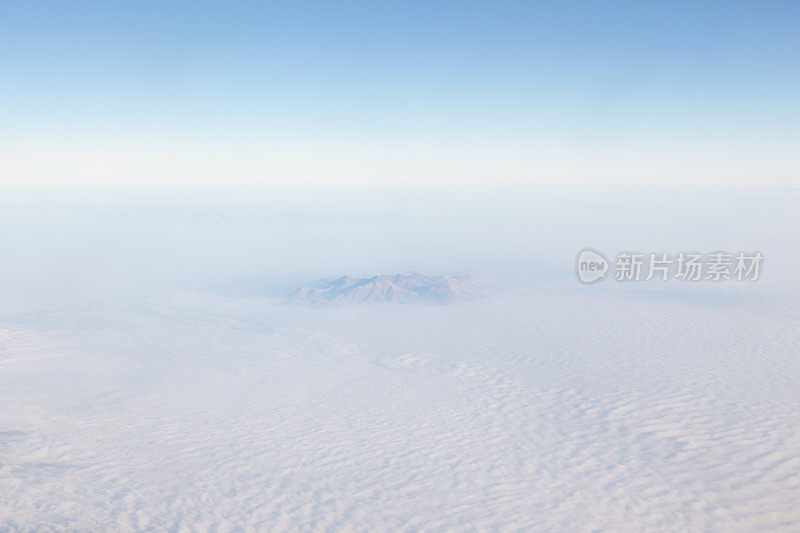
(130, 92)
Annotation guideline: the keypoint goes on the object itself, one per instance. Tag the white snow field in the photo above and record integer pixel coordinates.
(180, 400)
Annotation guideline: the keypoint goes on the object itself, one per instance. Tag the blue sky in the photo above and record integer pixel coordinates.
(119, 92)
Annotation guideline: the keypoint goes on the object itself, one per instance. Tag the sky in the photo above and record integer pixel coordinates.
(412, 91)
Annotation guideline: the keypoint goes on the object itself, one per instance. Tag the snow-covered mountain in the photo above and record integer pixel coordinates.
(402, 288)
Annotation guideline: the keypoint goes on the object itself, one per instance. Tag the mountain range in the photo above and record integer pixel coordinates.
(401, 288)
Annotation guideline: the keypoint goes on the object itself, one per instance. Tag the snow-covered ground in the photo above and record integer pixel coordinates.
(159, 384)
